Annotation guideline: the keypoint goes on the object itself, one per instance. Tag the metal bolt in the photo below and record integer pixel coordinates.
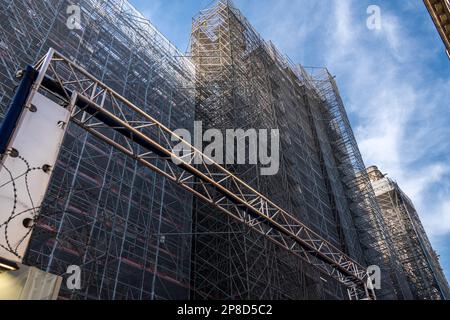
(28, 223)
(32, 108)
(13, 153)
(61, 124)
(19, 74)
(46, 168)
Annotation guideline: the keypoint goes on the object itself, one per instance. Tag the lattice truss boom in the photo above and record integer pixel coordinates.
(101, 111)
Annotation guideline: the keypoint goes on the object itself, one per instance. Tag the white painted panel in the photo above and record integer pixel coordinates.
(38, 140)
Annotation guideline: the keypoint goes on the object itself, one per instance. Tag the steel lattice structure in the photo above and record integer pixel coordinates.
(102, 112)
(242, 81)
(143, 227)
(421, 264)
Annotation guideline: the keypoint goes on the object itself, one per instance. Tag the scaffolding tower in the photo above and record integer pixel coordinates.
(423, 270)
(243, 82)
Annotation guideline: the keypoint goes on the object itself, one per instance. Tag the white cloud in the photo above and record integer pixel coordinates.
(440, 221)
(345, 33)
(391, 30)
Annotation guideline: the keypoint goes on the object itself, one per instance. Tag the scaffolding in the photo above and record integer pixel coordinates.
(130, 220)
(243, 82)
(102, 112)
(110, 239)
(371, 226)
(239, 85)
(124, 225)
(423, 271)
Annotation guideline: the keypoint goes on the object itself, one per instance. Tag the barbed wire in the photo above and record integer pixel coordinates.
(13, 214)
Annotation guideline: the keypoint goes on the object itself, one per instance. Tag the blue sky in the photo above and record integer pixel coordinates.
(395, 83)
